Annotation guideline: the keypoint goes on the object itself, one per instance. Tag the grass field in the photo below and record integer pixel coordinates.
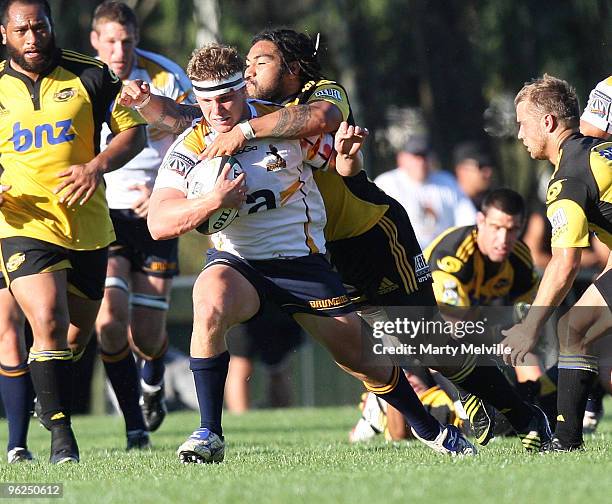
(302, 455)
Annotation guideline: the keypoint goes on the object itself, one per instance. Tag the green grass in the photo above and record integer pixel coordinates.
(302, 455)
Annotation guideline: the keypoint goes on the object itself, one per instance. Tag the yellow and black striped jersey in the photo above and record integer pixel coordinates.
(464, 277)
(46, 127)
(353, 204)
(579, 197)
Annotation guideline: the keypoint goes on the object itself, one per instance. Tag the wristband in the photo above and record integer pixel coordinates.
(247, 130)
(144, 103)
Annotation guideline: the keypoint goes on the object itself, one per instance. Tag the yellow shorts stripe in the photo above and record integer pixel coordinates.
(385, 389)
(399, 253)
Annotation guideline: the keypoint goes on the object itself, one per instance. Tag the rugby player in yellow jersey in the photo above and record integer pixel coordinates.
(54, 223)
(369, 235)
(578, 202)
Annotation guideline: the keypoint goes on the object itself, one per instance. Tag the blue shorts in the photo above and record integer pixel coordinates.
(302, 285)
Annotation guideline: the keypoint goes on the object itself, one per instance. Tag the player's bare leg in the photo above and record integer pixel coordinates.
(222, 298)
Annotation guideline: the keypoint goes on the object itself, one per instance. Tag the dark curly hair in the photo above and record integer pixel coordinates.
(294, 47)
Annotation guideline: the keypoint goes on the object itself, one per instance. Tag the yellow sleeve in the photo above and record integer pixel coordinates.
(123, 118)
(449, 290)
(570, 227)
(332, 93)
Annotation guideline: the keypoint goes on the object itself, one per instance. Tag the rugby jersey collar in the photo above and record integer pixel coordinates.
(33, 87)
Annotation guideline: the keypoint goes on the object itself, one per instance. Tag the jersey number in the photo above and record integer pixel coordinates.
(268, 203)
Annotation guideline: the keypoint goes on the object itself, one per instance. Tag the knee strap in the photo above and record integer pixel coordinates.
(116, 283)
(149, 301)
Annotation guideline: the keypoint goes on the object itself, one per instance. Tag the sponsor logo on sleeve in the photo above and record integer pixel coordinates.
(606, 153)
(558, 221)
(599, 104)
(179, 163)
(450, 296)
(329, 93)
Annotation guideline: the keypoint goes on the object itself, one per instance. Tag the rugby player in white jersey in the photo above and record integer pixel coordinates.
(138, 265)
(272, 252)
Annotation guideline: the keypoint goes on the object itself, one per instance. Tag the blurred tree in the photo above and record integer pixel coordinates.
(451, 60)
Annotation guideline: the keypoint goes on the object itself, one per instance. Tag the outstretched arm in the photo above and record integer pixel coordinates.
(296, 121)
(160, 112)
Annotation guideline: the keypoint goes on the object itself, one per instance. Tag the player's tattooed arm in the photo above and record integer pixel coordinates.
(291, 121)
(175, 118)
(160, 112)
(298, 121)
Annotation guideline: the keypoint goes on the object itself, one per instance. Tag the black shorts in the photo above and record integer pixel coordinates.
(23, 256)
(270, 337)
(135, 243)
(302, 285)
(604, 286)
(385, 264)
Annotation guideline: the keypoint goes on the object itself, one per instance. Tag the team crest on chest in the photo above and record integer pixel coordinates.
(278, 163)
(65, 94)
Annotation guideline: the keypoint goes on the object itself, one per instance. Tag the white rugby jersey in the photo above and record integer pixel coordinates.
(166, 79)
(598, 110)
(284, 214)
(433, 205)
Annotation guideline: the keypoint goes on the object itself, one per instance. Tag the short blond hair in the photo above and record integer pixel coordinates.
(214, 62)
(550, 95)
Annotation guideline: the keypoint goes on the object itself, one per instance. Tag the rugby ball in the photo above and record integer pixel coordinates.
(202, 180)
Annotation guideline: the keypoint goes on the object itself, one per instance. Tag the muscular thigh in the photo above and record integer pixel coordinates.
(338, 334)
(225, 292)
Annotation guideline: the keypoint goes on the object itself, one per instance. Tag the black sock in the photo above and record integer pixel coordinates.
(399, 394)
(547, 397)
(18, 398)
(122, 372)
(577, 373)
(51, 372)
(209, 376)
(594, 403)
(491, 385)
